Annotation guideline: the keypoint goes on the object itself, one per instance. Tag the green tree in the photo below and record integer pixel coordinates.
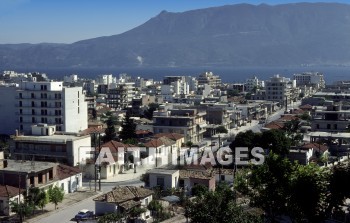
(269, 185)
(135, 212)
(110, 132)
(276, 141)
(37, 197)
(23, 209)
(56, 195)
(149, 112)
(156, 209)
(199, 190)
(218, 207)
(309, 189)
(111, 218)
(339, 185)
(128, 128)
(221, 129)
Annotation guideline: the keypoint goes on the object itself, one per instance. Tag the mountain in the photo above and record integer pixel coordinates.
(231, 35)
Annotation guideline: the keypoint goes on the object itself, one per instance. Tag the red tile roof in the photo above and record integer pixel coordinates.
(274, 125)
(154, 143)
(143, 132)
(8, 191)
(315, 146)
(114, 145)
(64, 171)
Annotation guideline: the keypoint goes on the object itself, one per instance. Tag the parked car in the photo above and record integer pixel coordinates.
(84, 214)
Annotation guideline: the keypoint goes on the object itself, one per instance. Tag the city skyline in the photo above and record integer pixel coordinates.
(38, 21)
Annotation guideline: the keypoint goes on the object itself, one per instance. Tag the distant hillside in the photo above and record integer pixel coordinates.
(232, 35)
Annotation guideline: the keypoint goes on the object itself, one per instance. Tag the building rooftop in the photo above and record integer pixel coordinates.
(330, 134)
(162, 171)
(57, 138)
(23, 166)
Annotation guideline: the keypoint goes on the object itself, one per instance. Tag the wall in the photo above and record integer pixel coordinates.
(104, 207)
(8, 118)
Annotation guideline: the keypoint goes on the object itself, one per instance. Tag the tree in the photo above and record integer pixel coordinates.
(276, 141)
(37, 197)
(221, 129)
(56, 195)
(269, 185)
(309, 189)
(199, 190)
(110, 132)
(135, 212)
(218, 207)
(128, 128)
(149, 112)
(23, 209)
(156, 209)
(111, 218)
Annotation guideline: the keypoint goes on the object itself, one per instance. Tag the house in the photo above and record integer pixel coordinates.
(112, 159)
(191, 177)
(9, 194)
(178, 138)
(163, 178)
(25, 174)
(123, 199)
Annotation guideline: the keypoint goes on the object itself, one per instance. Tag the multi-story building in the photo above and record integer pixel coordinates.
(50, 103)
(252, 83)
(209, 78)
(281, 89)
(44, 145)
(330, 119)
(8, 117)
(105, 79)
(314, 79)
(189, 122)
(120, 96)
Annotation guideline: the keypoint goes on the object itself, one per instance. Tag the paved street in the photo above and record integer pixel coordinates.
(65, 213)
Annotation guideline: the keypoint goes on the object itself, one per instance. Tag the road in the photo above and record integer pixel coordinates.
(66, 214)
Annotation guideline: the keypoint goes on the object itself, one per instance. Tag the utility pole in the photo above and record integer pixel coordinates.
(99, 161)
(95, 158)
(19, 198)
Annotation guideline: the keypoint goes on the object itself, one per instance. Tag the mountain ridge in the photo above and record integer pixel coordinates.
(230, 35)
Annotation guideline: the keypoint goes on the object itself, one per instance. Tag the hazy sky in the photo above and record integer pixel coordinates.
(67, 21)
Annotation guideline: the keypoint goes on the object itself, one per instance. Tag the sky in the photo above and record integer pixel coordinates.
(68, 21)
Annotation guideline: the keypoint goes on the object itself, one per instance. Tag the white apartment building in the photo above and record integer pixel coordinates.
(280, 89)
(314, 79)
(209, 78)
(105, 79)
(50, 103)
(253, 82)
(119, 96)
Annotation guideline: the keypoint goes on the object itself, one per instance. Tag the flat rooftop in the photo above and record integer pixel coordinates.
(52, 139)
(162, 171)
(23, 166)
(330, 134)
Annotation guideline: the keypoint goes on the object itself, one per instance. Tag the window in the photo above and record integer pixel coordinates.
(20, 103)
(335, 126)
(222, 177)
(328, 126)
(317, 126)
(146, 202)
(50, 175)
(160, 182)
(20, 95)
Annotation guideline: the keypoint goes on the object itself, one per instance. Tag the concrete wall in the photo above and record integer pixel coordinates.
(104, 208)
(8, 117)
(170, 180)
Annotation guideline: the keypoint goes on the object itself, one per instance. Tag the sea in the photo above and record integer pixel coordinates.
(227, 74)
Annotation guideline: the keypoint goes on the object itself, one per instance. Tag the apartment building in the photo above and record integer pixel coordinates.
(50, 103)
(44, 144)
(210, 79)
(314, 79)
(120, 96)
(189, 122)
(252, 83)
(281, 89)
(330, 119)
